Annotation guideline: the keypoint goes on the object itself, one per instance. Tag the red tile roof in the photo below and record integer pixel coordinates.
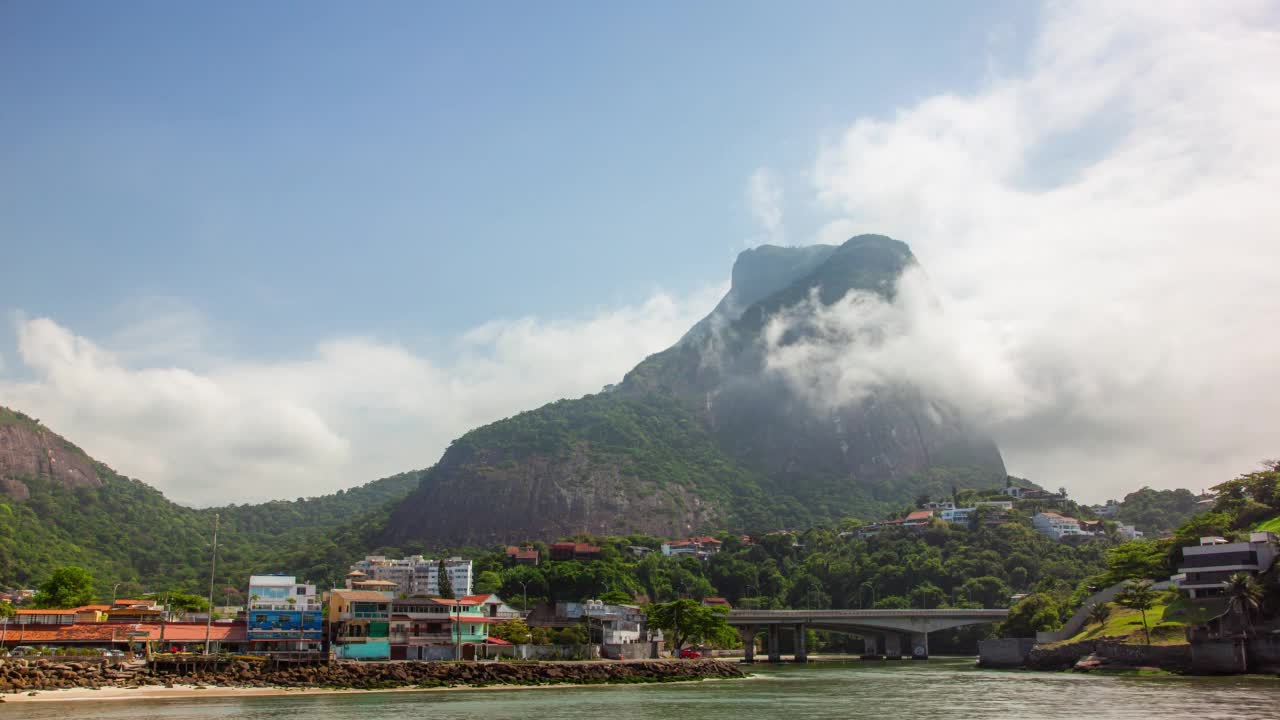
(105, 632)
(496, 641)
(46, 611)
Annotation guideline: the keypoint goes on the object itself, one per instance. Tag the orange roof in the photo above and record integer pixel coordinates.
(920, 515)
(86, 608)
(134, 602)
(105, 632)
(45, 611)
(496, 641)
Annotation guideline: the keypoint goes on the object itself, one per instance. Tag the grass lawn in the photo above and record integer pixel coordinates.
(1126, 624)
(1272, 525)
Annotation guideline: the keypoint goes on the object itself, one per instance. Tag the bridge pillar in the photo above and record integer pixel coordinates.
(801, 637)
(893, 645)
(748, 635)
(920, 646)
(775, 648)
(870, 646)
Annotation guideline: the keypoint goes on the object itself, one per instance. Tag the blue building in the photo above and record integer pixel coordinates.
(283, 616)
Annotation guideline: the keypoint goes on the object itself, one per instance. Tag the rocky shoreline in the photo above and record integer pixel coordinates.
(23, 676)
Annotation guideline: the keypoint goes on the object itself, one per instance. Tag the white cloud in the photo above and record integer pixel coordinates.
(354, 410)
(764, 199)
(1105, 221)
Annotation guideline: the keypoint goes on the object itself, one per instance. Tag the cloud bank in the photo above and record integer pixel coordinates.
(1102, 227)
(353, 410)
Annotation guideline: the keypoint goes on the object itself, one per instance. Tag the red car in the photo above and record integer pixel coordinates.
(689, 654)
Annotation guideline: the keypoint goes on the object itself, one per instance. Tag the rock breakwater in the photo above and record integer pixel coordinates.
(34, 675)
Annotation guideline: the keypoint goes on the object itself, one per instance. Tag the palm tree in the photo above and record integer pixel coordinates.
(1138, 595)
(1245, 597)
(1098, 613)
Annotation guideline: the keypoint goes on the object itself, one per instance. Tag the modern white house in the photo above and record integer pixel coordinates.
(415, 574)
(960, 516)
(1057, 526)
(609, 624)
(1205, 568)
(281, 592)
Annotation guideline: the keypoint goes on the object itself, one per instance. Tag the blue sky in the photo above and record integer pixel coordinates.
(254, 250)
(298, 170)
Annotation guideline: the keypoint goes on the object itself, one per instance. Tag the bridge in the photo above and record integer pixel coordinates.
(882, 631)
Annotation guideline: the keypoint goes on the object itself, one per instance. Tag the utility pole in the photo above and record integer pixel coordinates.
(213, 569)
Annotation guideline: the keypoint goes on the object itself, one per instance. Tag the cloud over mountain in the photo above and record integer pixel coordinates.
(352, 410)
(1101, 226)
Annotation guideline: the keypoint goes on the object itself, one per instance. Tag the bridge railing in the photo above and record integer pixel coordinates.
(800, 614)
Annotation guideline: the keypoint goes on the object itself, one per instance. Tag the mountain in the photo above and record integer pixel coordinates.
(59, 506)
(706, 434)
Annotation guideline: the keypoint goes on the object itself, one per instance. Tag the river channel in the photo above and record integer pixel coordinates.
(939, 688)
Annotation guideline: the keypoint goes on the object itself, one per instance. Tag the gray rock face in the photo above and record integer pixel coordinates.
(28, 450)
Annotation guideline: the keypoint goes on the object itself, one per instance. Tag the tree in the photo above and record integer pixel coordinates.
(67, 587)
(616, 597)
(684, 621)
(1033, 614)
(1244, 597)
(514, 631)
(488, 582)
(6, 612)
(444, 585)
(1139, 596)
(1098, 613)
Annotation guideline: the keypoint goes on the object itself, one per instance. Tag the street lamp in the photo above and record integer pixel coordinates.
(113, 594)
(524, 585)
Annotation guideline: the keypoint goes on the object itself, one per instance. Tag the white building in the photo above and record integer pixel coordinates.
(1128, 532)
(1205, 568)
(417, 575)
(281, 592)
(960, 516)
(1057, 526)
(1001, 504)
(609, 624)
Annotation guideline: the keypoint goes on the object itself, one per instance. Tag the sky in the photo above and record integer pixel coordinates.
(260, 250)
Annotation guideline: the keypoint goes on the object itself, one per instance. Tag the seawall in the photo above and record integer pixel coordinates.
(26, 676)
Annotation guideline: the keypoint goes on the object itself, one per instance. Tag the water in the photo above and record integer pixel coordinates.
(951, 689)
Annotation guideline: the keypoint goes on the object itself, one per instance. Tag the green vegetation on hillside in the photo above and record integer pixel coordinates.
(126, 531)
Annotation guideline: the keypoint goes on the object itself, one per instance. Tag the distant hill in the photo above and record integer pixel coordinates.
(704, 435)
(59, 506)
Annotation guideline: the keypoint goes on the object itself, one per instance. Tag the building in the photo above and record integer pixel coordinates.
(524, 555)
(606, 623)
(426, 628)
(1030, 494)
(283, 616)
(1005, 505)
(1205, 568)
(185, 637)
(412, 575)
(917, 518)
(938, 505)
(581, 552)
(1057, 526)
(958, 516)
(281, 592)
(360, 624)
(1110, 510)
(701, 547)
(1128, 532)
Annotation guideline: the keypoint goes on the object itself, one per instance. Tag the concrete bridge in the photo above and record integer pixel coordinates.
(882, 631)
